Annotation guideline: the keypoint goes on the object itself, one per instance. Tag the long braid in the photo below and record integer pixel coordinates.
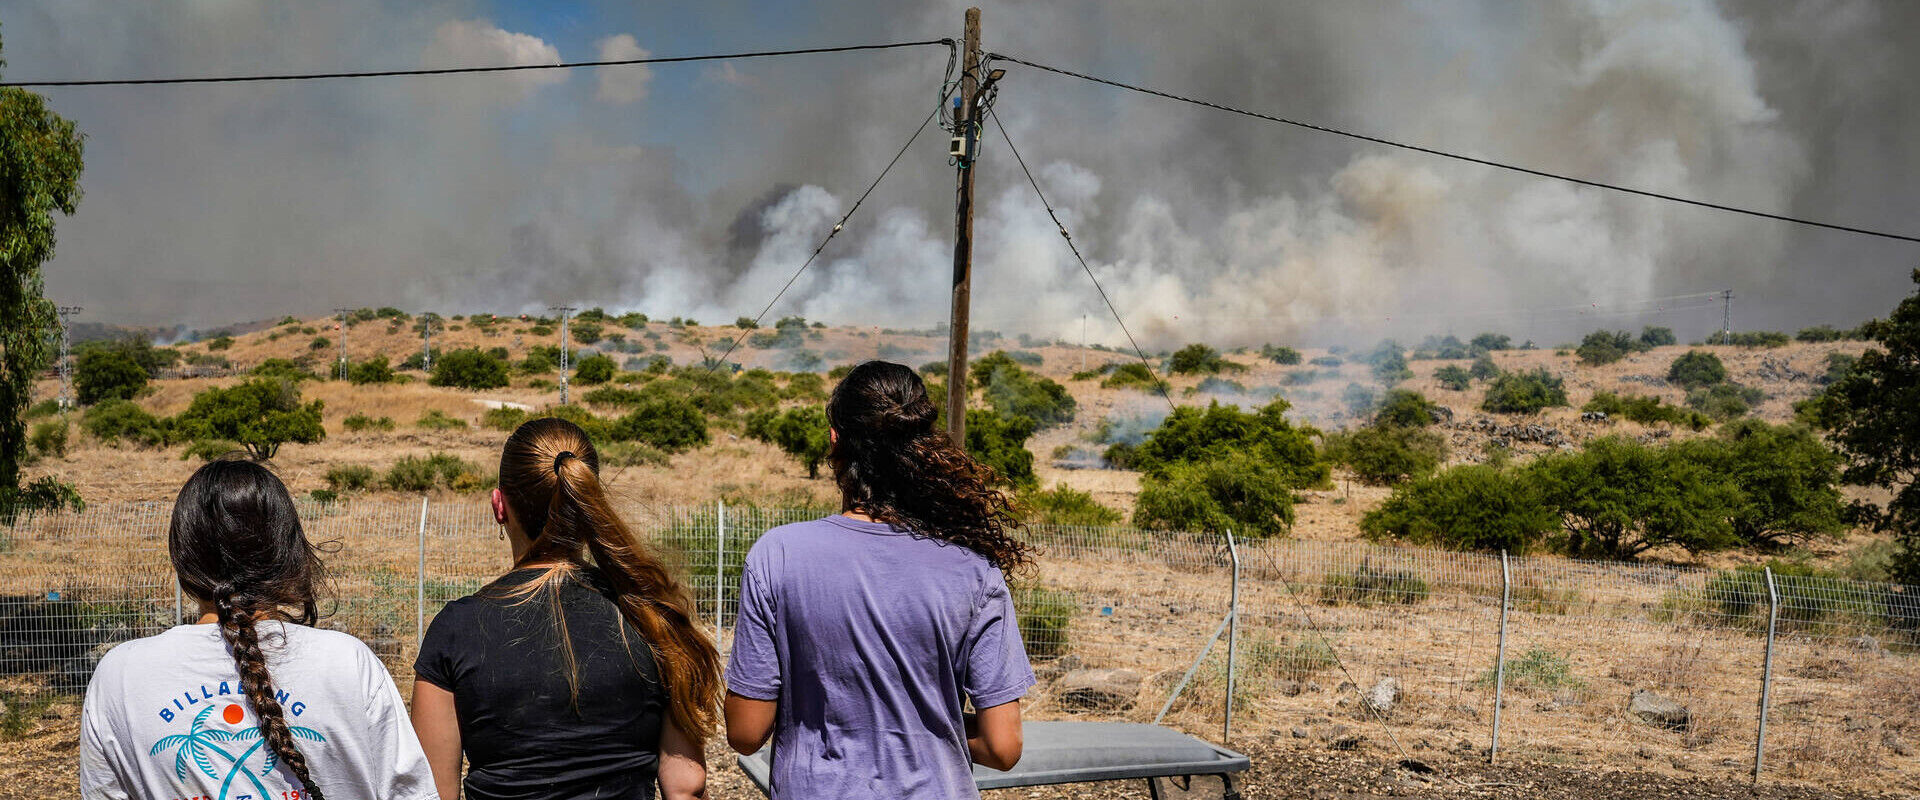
(237, 626)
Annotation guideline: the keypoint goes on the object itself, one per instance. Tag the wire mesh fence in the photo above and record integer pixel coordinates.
(1335, 642)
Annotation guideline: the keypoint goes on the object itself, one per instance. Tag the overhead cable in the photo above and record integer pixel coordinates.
(1458, 156)
(392, 73)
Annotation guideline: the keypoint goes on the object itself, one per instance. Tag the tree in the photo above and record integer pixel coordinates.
(1787, 480)
(1471, 507)
(107, 374)
(372, 370)
(1453, 376)
(469, 368)
(1191, 435)
(1605, 347)
(261, 415)
(1389, 363)
(1000, 442)
(1405, 408)
(1524, 392)
(1491, 341)
(799, 432)
(1195, 359)
(1652, 337)
(1384, 454)
(1236, 492)
(1484, 368)
(1618, 498)
(1697, 369)
(671, 423)
(595, 369)
(1873, 414)
(40, 162)
(1013, 390)
(1280, 354)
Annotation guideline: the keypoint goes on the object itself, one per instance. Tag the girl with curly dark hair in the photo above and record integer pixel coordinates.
(861, 635)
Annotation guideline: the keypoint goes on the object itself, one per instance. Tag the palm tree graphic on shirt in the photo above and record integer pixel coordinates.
(198, 746)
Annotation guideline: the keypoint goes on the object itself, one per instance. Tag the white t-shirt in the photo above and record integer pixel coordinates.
(165, 719)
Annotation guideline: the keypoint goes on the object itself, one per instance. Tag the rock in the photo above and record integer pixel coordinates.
(1892, 741)
(1290, 688)
(1593, 416)
(1099, 689)
(1299, 732)
(1383, 695)
(1350, 741)
(1547, 706)
(1658, 710)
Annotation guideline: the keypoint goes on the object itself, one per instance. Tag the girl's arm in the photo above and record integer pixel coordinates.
(749, 722)
(993, 736)
(438, 726)
(683, 766)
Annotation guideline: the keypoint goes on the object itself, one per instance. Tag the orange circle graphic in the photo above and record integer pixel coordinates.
(232, 714)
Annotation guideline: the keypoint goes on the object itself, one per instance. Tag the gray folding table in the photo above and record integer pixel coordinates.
(1077, 752)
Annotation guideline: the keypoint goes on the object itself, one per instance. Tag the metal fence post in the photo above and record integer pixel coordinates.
(420, 581)
(1766, 676)
(1233, 631)
(719, 566)
(1500, 660)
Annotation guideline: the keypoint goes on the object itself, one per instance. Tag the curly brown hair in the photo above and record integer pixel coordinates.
(893, 464)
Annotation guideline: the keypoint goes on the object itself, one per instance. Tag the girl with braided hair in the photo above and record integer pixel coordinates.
(862, 636)
(251, 700)
(580, 673)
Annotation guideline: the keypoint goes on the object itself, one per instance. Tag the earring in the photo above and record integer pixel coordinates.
(503, 533)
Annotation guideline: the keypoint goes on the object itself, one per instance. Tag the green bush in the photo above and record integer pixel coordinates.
(1191, 435)
(372, 370)
(1490, 341)
(504, 419)
(283, 369)
(1064, 505)
(1539, 668)
(1405, 408)
(1751, 339)
(469, 368)
(594, 370)
(1618, 498)
(1441, 347)
(1697, 369)
(1725, 401)
(1000, 442)
(1483, 368)
(1045, 615)
(1453, 376)
(1471, 507)
(437, 420)
(1389, 363)
(1014, 391)
(261, 414)
(210, 449)
(1133, 375)
(111, 421)
(1787, 480)
(1368, 586)
(1359, 400)
(1236, 492)
(319, 343)
(49, 438)
(672, 424)
(799, 432)
(1524, 392)
(1195, 359)
(1284, 356)
(350, 478)
(1383, 455)
(1605, 347)
(415, 474)
(1645, 410)
(220, 343)
(103, 374)
(1326, 361)
(1651, 337)
(357, 422)
(586, 332)
(1827, 333)
(44, 408)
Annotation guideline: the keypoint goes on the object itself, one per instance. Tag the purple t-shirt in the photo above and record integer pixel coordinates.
(870, 639)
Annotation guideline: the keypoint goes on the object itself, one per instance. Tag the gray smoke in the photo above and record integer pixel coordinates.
(698, 190)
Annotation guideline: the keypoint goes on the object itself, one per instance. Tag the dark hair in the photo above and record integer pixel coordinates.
(893, 465)
(236, 542)
(550, 475)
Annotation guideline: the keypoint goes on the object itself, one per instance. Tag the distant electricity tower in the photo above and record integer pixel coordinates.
(1726, 317)
(343, 313)
(426, 340)
(66, 356)
(565, 313)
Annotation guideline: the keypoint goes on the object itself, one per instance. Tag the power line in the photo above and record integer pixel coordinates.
(1455, 156)
(715, 363)
(391, 73)
(1157, 382)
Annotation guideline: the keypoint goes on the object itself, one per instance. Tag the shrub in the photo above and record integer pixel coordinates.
(1491, 341)
(1483, 368)
(1195, 359)
(220, 343)
(1725, 401)
(415, 474)
(1538, 668)
(1696, 369)
(746, 323)
(350, 478)
(319, 343)
(1133, 376)
(1443, 347)
(1064, 505)
(107, 374)
(504, 419)
(1014, 391)
(1524, 392)
(1651, 337)
(672, 424)
(1751, 339)
(1787, 481)
(1000, 442)
(1471, 507)
(1234, 492)
(113, 420)
(49, 438)
(283, 369)
(1453, 376)
(1824, 333)
(469, 368)
(586, 332)
(1368, 586)
(357, 422)
(261, 414)
(44, 408)
(1839, 366)
(594, 370)
(372, 370)
(1326, 361)
(1645, 410)
(437, 420)
(1359, 400)
(799, 432)
(1618, 498)
(613, 397)
(1383, 455)
(1389, 363)
(1407, 409)
(1284, 356)
(1605, 347)
(1191, 435)
(1044, 616)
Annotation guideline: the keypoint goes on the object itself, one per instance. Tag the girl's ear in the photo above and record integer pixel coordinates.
(499, 501)
(833, 435)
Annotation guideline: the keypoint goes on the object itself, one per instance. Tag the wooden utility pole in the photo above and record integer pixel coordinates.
(967, 132)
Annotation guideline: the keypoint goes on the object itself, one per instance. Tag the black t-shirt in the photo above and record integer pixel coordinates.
(524, 733)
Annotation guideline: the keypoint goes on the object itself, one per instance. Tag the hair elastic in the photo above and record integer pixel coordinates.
(564, 454)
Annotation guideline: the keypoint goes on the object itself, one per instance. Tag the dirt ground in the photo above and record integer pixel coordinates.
(42, 764)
